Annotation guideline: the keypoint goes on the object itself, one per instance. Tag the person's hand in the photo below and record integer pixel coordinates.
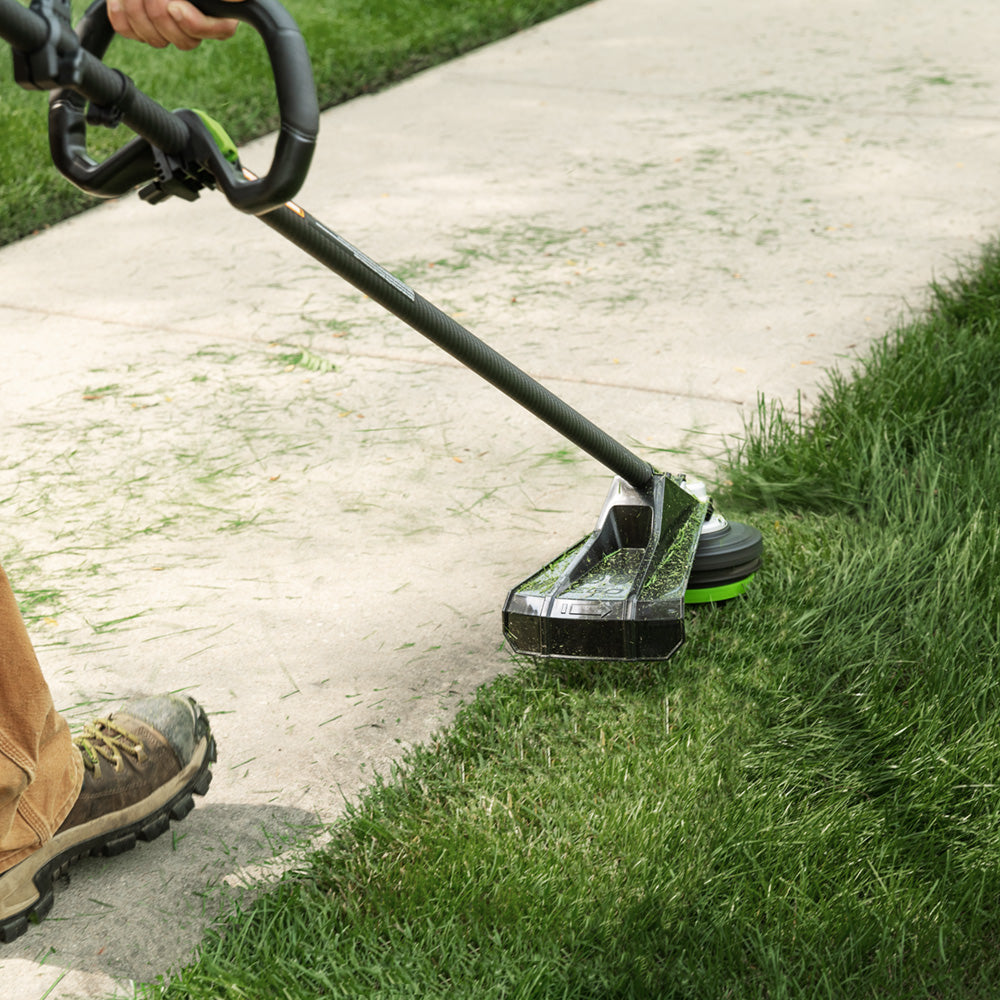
(167, 22)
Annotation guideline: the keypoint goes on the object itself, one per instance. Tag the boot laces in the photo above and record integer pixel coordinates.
(104, 738)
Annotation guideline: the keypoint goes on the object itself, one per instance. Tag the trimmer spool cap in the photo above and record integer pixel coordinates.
(727, 557)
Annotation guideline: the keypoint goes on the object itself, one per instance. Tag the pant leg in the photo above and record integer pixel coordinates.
(41, 772)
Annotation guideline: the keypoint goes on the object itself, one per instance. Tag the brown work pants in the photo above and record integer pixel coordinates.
(41, 773)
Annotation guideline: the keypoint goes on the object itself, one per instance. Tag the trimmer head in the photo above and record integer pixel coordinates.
(727, 557)
(619, 594)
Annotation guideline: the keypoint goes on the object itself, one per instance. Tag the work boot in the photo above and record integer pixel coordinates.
(141, 766)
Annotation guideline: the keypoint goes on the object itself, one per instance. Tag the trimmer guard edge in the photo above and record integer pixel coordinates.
(619, 594)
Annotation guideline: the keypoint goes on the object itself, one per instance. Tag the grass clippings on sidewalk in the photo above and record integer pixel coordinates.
(803, 803)
(356, 47)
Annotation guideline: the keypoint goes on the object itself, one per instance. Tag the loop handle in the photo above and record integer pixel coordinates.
(297, 107)
(180, 135)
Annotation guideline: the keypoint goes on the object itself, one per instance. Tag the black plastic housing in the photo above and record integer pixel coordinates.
(619, 594)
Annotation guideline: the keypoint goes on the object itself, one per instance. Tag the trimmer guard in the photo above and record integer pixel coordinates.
(619, 594)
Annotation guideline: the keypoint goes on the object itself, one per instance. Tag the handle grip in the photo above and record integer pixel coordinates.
(179, 134)
(297, 108)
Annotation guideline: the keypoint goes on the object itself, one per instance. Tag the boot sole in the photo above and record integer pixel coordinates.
(26, 893)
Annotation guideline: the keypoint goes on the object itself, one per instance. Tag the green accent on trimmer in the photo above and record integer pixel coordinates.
(220, 135)
(714, 595)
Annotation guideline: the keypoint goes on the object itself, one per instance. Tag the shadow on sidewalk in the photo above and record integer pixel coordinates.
(141, 914)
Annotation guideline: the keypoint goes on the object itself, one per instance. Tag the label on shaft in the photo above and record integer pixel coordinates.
(364, 259)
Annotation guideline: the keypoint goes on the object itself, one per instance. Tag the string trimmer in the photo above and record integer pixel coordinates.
(618, 594)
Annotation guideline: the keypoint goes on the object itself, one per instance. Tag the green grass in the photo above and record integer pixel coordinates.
(803, 803)
(356, 47)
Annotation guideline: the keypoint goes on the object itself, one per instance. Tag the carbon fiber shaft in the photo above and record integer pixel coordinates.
(335, 253)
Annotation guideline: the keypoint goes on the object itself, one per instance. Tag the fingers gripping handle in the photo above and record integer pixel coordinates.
(182, 134)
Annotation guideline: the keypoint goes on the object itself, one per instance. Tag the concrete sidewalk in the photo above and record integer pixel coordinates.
(659, 209)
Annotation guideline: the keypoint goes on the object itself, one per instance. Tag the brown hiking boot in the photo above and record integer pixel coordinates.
(142, 765)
